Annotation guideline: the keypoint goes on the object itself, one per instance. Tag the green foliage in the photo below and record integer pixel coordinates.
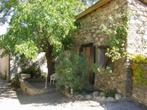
(6, 8)
(37, 24)
(110, 93)
(72, 71)
(117, 43)
(139, 58)
(98, 69)
(15, 82)
(27, 66)
(139, 71)
(33, 70)
(139, 74)
(117, 32)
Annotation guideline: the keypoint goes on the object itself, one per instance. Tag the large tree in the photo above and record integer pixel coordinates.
(6, 8)
(40, 26)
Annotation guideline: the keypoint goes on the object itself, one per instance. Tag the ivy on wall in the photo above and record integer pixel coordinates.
(117, 30)
(117, 41)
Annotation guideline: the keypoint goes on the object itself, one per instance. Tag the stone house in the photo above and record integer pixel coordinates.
(90, 40)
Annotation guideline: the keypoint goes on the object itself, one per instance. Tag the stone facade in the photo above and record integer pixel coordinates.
(137, 40)
(137, 34)
(90, 26)
(116, 80)
(140, 94)
(89, 32)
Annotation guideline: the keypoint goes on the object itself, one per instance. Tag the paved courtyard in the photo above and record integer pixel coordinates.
(11, 100)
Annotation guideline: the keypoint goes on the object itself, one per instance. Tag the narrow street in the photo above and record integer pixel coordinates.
(9, 99)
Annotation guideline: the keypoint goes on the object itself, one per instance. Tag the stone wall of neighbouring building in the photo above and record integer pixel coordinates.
(139, 92)
(137, 40)
(4, 67)
(89, 30)
(137, 36)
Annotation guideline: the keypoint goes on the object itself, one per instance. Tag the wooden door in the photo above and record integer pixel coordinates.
(89, 54)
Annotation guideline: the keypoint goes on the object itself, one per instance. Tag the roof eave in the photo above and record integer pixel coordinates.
(92, 8)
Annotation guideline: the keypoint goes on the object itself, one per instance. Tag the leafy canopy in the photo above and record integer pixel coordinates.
(6, 8)
(36, 24)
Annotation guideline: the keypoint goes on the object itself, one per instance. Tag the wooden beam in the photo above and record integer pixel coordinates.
(144, 1)
(93, 8)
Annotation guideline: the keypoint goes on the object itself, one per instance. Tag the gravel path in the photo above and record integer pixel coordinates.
(10, 99)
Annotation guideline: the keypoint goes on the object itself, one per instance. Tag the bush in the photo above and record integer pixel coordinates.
(110, 93)
(101, 70)
(139, 58)
(139, 69)
(139, 73)
(72, 72)
(33, 70)
(15, 82)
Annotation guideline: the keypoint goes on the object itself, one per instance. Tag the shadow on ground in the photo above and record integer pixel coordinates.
(51, 98)
(6, 91)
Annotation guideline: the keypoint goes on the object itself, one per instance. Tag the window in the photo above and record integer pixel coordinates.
(101, 59)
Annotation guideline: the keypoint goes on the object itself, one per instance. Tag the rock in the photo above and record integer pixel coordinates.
(25, 76)
(117, 96)
(98, 98)
(110, 99)
(88, 97)
(102, 99)
(102, 94)
(95, 94)
(79, 97)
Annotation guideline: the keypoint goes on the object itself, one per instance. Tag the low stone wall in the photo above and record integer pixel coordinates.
(140, 94)
(104, 81)
(29, 89)
(117, 80)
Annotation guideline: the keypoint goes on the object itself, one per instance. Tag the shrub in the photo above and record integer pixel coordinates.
(33, 70)
(15, 82)
(139, 74)
(139, 70)
(72, 72)
(110, 93)
(139, 58)
(99, 69)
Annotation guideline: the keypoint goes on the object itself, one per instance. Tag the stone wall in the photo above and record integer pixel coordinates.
(137, 36)
(137, 40)
(4, 67)
(89, 30)
(27, 88)
(115, 81)
(139, 92)
(91, 25)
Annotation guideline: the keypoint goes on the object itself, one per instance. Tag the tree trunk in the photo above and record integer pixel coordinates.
(50, 61)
